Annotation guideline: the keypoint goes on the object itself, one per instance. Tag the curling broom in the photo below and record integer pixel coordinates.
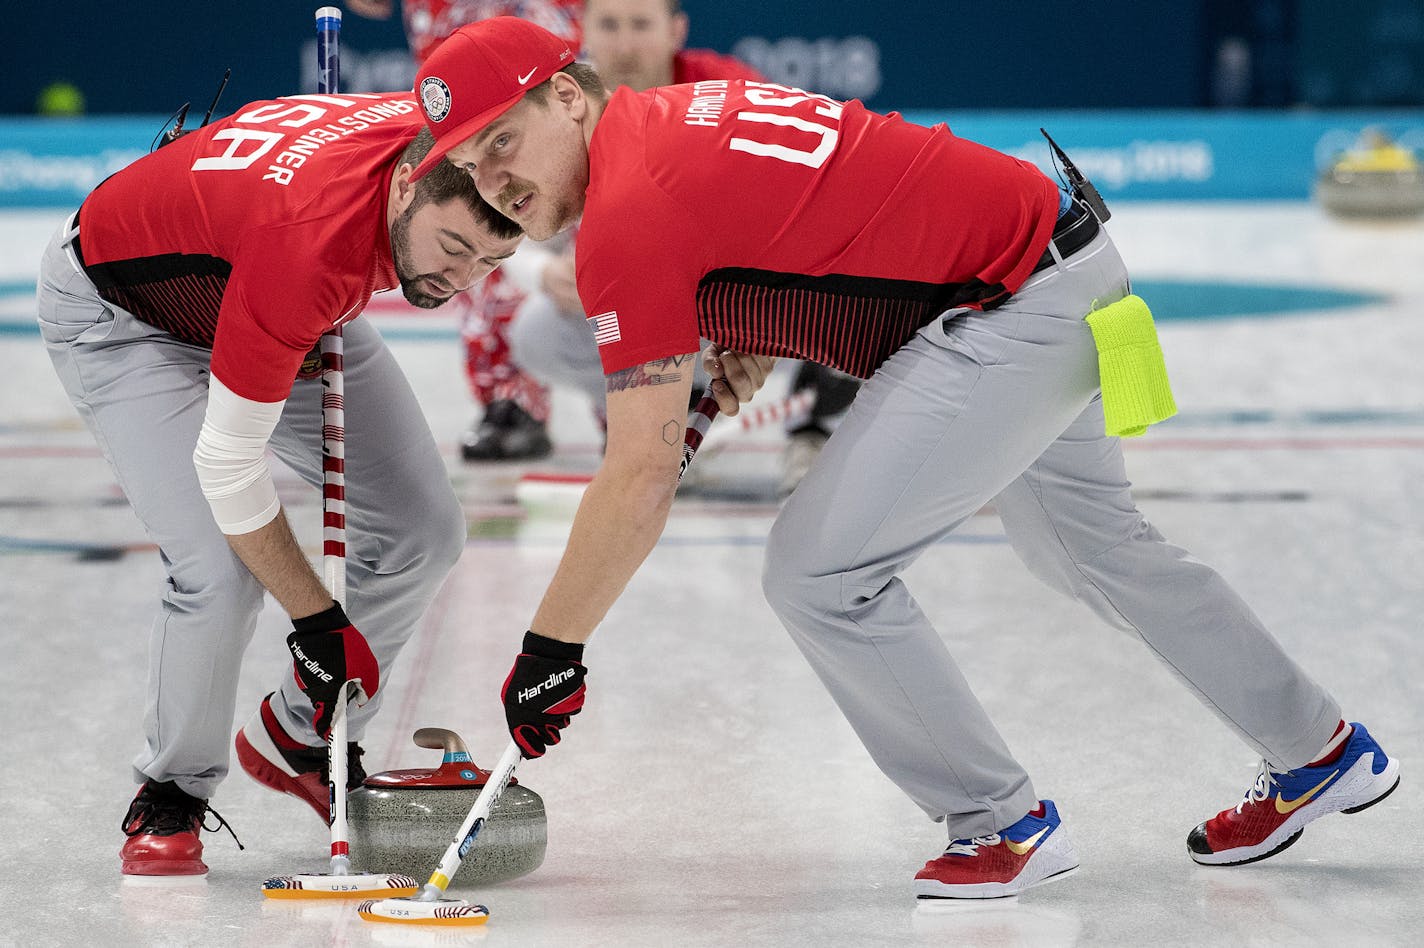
(340, 882)
(429, 906)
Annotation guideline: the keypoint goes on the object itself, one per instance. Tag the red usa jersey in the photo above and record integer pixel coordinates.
(695, 65)
(780, 222)
(256, 234)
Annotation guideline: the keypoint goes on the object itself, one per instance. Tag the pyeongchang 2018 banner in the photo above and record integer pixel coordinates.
(1191, 156)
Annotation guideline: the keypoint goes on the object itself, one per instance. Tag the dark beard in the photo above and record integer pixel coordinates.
(400, 254)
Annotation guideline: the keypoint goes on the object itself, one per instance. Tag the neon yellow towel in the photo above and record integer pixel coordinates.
(1131, 370)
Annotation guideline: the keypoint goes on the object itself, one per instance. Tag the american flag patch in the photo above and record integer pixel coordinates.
(605, 328)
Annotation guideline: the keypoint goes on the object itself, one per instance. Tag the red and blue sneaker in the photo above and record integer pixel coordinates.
(1032, 851)
(1275, 810)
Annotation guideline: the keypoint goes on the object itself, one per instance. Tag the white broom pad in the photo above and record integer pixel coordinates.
(327, 886)
(418, 912)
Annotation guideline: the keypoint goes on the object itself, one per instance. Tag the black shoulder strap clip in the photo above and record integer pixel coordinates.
(1081, 187)
(178, 131)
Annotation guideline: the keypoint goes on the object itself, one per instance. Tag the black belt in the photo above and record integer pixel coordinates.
(1075, 229)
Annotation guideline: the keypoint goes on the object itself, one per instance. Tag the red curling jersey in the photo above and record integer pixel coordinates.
(781, 222)
(695, 65)
(255, 235)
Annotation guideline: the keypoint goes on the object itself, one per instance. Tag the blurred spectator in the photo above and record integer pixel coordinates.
(640, 44)
(524, 327)
(514, 423)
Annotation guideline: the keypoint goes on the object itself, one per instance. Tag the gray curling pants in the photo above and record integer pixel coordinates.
(143, 394)
(558, 349)
(1004, 406)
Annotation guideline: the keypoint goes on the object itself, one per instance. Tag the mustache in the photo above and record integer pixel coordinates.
(511, 192)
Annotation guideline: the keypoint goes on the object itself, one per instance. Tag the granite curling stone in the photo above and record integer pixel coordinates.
(403, 820)
(1377, 179)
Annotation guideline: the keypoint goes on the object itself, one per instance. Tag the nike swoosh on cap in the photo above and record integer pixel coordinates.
(525, 78)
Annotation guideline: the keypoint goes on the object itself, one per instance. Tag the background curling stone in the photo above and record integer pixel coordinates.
(402, 820)
(1376, 179)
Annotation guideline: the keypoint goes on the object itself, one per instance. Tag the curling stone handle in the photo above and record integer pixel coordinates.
(442, 738)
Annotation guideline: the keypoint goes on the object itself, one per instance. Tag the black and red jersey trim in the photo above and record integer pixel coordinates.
(180, 293)
(851, 323)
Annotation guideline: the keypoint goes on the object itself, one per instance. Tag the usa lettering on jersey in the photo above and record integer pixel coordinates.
(245, 146)
(803, 139)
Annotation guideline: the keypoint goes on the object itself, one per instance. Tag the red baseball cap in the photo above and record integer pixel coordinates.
(478, 74)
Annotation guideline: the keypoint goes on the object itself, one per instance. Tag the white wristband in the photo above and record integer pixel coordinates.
(231, 462)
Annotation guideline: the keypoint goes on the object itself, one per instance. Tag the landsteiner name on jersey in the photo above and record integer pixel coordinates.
(247, 145)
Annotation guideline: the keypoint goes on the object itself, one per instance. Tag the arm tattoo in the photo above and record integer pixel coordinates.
(649, 373)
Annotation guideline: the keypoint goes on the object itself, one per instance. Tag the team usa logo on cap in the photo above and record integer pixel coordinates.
(490, 64)
(434, 98)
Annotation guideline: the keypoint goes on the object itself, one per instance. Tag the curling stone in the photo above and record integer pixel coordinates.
(403, 820)
(1376, 179)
